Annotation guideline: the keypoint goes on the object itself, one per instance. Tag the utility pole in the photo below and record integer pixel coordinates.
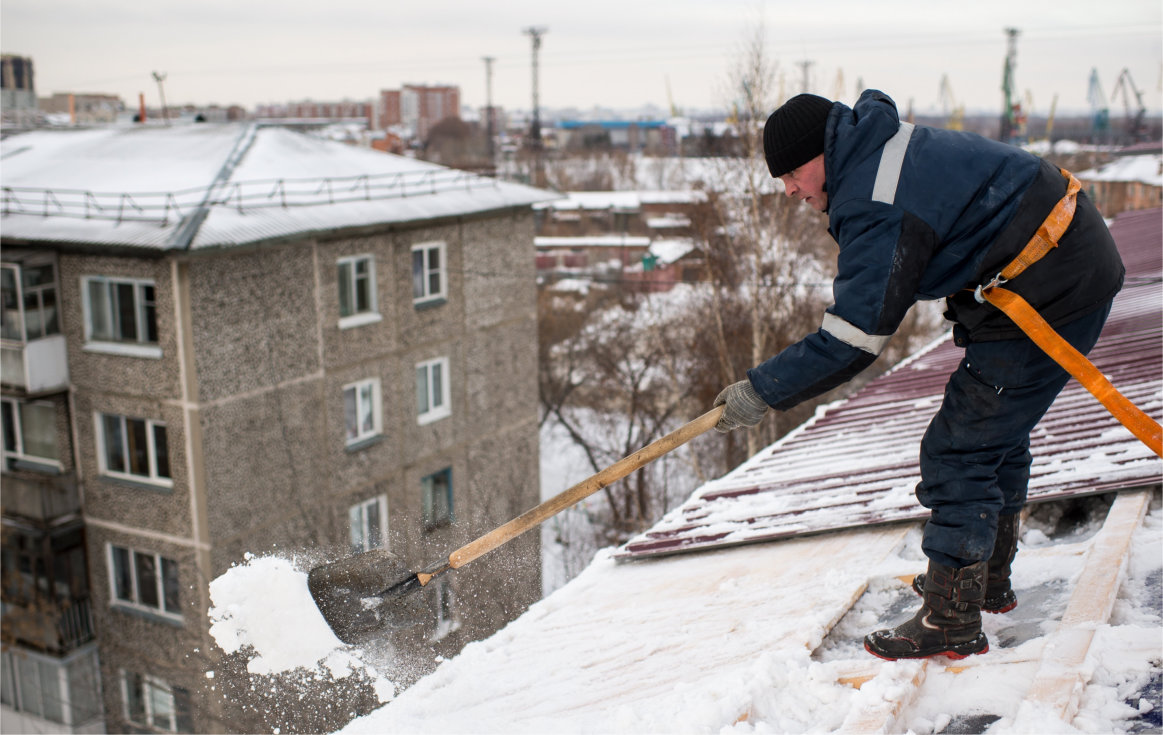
(806, 66)
(160, 78)
(1008, 113)
(535, 32)
(535, 128)
(490, 125)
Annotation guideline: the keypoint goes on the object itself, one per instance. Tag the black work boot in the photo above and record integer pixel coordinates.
(948, 623)
(999, 593)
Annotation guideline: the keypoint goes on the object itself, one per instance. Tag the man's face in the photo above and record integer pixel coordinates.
(806, 183)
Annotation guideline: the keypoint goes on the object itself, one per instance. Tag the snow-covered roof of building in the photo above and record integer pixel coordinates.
(670, 250)
(546, 242)
(765, 637)
(1147, 169)
(623, 200)
(220, 185)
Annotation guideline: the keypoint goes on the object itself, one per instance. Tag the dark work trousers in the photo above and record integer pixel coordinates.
(975, 456)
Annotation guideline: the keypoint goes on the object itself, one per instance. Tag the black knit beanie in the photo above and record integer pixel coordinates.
(794, 134)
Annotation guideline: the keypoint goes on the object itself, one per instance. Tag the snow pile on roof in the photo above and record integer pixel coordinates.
(592, 241)
(738, 642)
(211, 185)
(671, 249)
(1146, 169)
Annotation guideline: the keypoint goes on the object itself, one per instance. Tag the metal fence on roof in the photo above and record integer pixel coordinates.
(164, 208)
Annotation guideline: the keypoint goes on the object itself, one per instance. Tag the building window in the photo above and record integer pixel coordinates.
(133, 449)
(437, 499)
(61, 690)
(28, 295)
(369, 524)
(30, 434)
(144, 581)
(357, 291)
(119, 311)
(361, 410)
(432, 390)
(151, 702)
(429, 273)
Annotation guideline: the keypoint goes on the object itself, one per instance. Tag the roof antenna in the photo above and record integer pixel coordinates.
(159, 78)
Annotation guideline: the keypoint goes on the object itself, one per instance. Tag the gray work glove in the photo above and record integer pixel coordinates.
(744, 406)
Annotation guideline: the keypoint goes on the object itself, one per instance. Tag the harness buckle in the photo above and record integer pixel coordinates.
(978, 293)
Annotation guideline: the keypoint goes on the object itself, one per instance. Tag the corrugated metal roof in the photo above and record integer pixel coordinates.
(855, 463)
(210, 185)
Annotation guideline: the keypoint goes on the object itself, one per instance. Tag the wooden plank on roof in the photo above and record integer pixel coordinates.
(1060, 680)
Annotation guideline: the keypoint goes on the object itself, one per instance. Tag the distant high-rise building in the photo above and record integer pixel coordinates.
(17, 91)
(419, 107)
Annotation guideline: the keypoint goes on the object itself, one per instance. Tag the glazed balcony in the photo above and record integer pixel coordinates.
(36, 367)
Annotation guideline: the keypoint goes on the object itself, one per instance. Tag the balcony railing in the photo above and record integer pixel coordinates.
(52, 627)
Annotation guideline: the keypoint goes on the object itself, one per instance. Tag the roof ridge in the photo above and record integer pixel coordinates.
(191, 223)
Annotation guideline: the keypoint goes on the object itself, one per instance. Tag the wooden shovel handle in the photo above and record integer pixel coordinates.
(584, 489)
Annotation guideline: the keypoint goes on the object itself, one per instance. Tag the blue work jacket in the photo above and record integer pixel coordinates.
(923, 213)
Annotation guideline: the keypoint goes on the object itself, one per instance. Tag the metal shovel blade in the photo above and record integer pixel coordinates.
(350, 595)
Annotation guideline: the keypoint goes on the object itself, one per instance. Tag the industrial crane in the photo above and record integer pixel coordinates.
(1011, 110)
(1100, 113)
(953, 112)
(1135, 126)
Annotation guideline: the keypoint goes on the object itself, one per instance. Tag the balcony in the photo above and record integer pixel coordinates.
(44, 596)
(56, 627)
(38, 497)
(36, 367)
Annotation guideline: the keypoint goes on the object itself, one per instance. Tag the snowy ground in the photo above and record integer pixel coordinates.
(570, 540)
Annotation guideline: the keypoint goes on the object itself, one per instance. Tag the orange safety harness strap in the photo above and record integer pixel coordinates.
(1042, 334)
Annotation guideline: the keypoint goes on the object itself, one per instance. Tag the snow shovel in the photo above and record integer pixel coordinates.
(358, 597)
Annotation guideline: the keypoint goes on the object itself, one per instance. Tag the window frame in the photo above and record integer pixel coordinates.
(366, 540)
(357, 318)
(427, 509)
(18, 457)
(23, 291)
(150, 686)
(428, 296)
(151, 427)
(161, 564)
(428, 413)
(377, 429)
(143, 309)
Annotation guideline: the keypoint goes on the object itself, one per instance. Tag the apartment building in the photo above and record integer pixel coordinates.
(419, 107)
(17, 89)
(222, 340)
(311, 110)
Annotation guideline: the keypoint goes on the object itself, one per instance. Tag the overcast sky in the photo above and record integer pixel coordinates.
(618, 54)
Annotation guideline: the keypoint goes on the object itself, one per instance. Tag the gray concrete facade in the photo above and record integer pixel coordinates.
(247, 379)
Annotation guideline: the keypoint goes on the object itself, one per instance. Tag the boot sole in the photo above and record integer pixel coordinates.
(954, 655)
